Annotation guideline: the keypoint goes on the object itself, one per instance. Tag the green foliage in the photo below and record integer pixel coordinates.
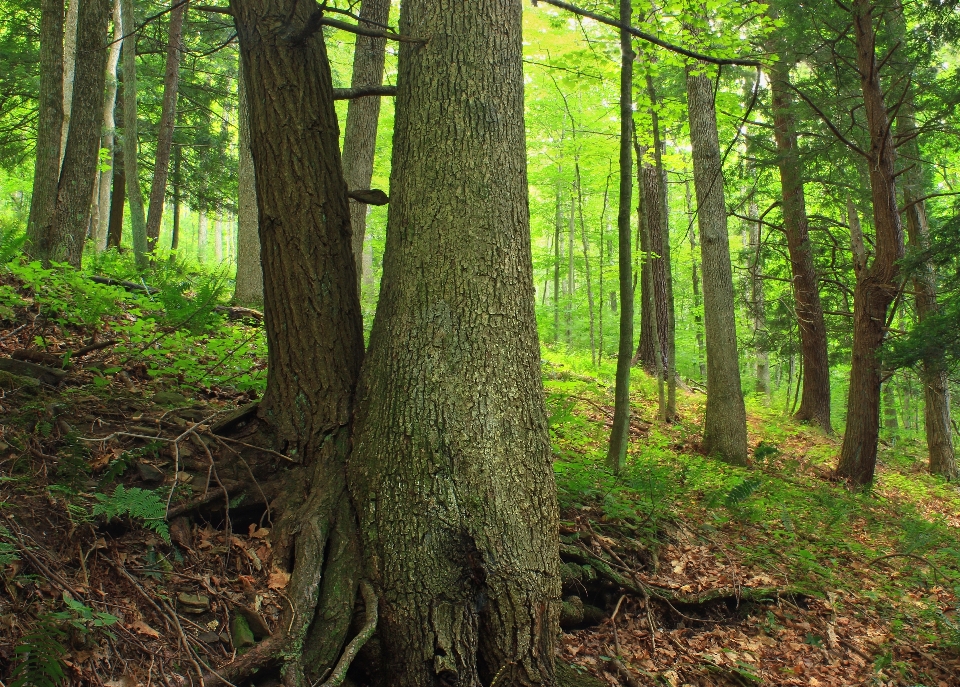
(8, 551)
(138, 504)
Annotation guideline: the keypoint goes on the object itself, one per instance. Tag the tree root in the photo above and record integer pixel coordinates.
(369, 626)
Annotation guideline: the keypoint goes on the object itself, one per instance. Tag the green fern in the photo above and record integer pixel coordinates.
(741, 492)
(41, 654)
(8, 552)
(138, 504)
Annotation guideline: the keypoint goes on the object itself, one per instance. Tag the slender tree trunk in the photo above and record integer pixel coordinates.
(620, 432)
(936, 387)
(695, 275)
(649, 277)
(312, 319)
(586, 268)
(725, 424)
(649, 327)
(218, 238)
(168, 118)
(80, 160)
(46, 171)
(877, 285)
(558, 225)
(451, 467)
(131, 136)
(175, 233)
(758, 304)
(815, 401)
(109, 135)
(360, 135)
(890, 407)
(249, 286)
(118, 197)
(69, 70)
(202, 237)
(571, 283)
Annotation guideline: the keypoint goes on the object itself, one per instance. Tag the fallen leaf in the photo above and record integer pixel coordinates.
(141, 628)
(278, 579)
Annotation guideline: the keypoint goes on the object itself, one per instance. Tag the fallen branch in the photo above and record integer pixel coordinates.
(936, 571)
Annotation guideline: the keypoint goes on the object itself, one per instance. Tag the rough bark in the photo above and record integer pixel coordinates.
(108, 137)
(936, 387)
(360, 134)
(168, 117)
(46, 171)
(877, 285)
(312, 318)
(451, 467)
(69, 70)
(118, 197)
(725, 423)
(815, 398)
(131, 136)
(80, 159)
(249, 286)
(620, 432)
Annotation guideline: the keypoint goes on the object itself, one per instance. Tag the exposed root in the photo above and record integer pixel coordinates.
(369, 626)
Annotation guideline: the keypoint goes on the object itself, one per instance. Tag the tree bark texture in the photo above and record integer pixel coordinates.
(451, 469)
(877, 285)
(69, 70)
(46, 171)
(620, 432)
(360, 134)
(815, 398)
(109, 135)
(118, 196)
(249, 285)
(168, 118)
(80, 160)
(725, 424)
(936, 387)
(311, 314)
(131, 136)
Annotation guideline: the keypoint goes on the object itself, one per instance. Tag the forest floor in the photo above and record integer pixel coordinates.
(128, 557)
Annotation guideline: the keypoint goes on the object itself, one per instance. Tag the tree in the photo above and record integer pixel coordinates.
(46, 174)
(65, 239)
(249, 288)
(815, 399)
(168, 116)
(620, 432)
(877, 283)
(360, 136)
(451, 468)
(109, 134)
(131, 135)
(725, 423)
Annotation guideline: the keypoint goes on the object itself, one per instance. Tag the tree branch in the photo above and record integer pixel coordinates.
(830, 125)
(363, 92)
(650, 38)
(317, 20)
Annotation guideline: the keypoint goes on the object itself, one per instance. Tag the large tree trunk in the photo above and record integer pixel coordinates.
(168, 117)
(69, 70)
(725, 424)
(451, 468)
(312, 318)
(360, 134)
(80, 160)
(131, 136)
(109, 130)
(249, 288)
(815, 398)
(936, 387)
(620, 432)
(46, 171)
(876, 286)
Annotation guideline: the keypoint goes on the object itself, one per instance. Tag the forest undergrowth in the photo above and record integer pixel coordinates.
(135, 529)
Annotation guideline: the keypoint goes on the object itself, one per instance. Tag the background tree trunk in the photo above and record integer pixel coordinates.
(168, 118)
(877, 285)
(725, 424)
(695, 276)
(83, 142)
(118, 197)
(363, 114)
(218, 238)
(69, 70)
(758, 303)
(451, 470)
(131, 136)
(202, 236)
(46, 171)
(558, 225)
(620, 432)
(312, 318)
(249, 287)
(571, 284)
(586, 269)
(175, 232)
(109, 129)
(815, 399)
